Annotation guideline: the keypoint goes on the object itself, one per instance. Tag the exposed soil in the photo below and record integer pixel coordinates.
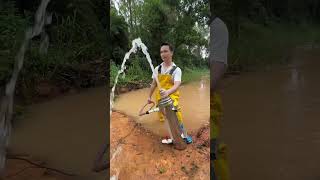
(138, 154)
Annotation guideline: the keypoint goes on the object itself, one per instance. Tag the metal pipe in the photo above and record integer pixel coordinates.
(167, 108)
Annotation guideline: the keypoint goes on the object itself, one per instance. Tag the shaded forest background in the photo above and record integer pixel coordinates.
(181, 23)
(263, 33)
(78, 48)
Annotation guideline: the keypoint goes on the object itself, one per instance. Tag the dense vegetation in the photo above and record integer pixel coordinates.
(78, 47)
(181, 23)
(264, 32)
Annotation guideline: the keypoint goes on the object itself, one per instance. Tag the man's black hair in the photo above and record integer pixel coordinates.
(167, 44)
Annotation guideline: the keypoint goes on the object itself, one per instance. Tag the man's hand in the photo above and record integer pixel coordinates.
(164, 93)
(217, 69)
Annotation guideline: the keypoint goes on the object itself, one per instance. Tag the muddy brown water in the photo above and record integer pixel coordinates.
(194, 103)
(65, 132)
(272, 121)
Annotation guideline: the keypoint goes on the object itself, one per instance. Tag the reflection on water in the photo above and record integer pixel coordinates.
(271, 122)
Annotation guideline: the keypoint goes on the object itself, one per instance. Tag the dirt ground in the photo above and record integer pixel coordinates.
(138, 154)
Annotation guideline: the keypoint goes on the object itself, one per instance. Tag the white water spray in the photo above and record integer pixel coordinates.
(135, 44)
(6, 110)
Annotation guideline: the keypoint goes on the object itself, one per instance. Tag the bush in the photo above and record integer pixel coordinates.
(134, 74)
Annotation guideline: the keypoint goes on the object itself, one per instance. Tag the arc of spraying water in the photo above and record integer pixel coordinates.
(135, 44)
(41, 18)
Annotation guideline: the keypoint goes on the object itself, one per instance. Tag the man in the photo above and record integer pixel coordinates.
(219, 38)
(169, 76)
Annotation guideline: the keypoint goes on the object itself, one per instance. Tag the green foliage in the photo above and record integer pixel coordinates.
(181, 23)
(273, 46)
(135, 73)
(265, 11)
(77, 37)
(119, 37)
(157, 21)
(79, 30)
(189, 75)
(262, 33)
(155, 27)
(162, 170)
(12, 28)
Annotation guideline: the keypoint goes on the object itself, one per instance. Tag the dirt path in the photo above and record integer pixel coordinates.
(138, 154)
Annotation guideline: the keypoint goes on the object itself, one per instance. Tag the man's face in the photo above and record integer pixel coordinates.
(165, 53)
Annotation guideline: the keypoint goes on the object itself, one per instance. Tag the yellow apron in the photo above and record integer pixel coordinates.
(166, 82)
(221, 166)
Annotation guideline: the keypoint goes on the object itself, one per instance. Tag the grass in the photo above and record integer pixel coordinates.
(162, 170)
(189, 75)
(137, 75)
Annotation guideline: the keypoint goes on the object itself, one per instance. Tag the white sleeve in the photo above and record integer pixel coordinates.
(219, 40)
(177, 74)
(156, 72)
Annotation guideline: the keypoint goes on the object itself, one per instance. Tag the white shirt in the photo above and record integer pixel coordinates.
(219, 40)
(177, 73)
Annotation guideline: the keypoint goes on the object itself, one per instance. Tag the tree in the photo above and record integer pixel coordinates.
(119, 36)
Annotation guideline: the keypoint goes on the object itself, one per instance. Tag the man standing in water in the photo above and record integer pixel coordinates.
(219, 38)
(169, 76)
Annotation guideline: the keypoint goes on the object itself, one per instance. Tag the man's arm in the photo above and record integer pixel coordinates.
(217, 69)
(100, 164)
(165, 93)
(174, 88)
(219, 40)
